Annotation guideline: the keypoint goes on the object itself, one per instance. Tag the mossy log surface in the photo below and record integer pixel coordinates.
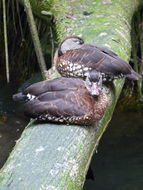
(57, 157)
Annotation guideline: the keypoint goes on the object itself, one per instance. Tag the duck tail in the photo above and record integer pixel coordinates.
(134, 76)
(19, 97)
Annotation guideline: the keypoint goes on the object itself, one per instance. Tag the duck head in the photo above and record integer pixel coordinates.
(70, 43)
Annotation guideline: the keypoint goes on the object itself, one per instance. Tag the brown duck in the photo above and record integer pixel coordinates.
(64, 100)
(94, 64)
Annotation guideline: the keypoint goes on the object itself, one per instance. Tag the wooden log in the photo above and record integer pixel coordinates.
(57, 157)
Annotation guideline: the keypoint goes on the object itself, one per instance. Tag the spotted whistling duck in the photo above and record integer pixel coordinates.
(94, 64)
(64, 100)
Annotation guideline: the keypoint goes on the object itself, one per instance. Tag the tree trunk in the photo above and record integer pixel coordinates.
(57, 157)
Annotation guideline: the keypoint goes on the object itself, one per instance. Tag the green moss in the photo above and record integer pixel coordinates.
(102, 25)
(41, 6)
(6, 178)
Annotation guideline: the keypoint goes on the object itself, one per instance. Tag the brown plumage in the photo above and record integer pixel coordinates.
(64, 100)
(94, 64)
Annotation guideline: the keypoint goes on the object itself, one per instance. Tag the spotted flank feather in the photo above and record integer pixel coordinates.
(84, 120)
(69, 69)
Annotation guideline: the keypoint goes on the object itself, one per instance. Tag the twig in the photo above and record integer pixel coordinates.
(19, 18)
(5, 41)
(35, 38)
(52, 46)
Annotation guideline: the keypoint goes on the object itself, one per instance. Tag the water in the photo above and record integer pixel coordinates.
(118, 165)
(12, 121)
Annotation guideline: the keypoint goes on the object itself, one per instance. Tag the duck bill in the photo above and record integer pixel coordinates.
(95, 89)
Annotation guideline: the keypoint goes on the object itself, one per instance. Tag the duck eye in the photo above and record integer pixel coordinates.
(81, 41)
(76, 41)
